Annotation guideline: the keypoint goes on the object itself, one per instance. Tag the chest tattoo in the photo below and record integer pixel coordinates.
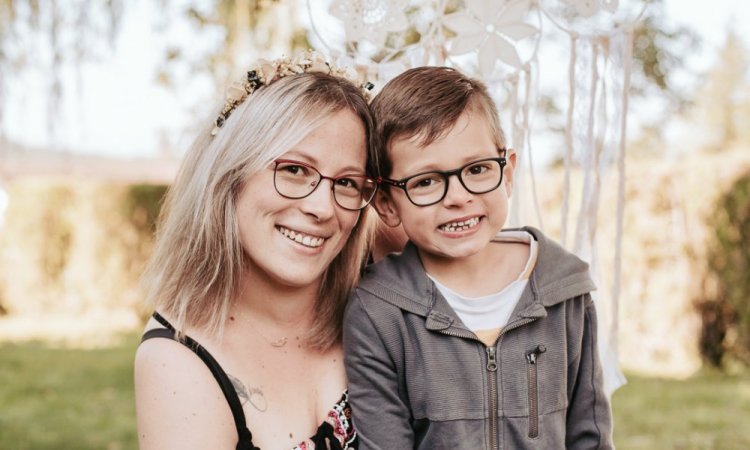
(252, 395)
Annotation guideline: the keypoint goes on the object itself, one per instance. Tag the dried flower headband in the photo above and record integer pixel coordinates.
(266, 72)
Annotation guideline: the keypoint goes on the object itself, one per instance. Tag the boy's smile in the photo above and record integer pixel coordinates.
(461, 225)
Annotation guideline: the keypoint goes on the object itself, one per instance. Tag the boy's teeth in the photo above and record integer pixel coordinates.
(460, 226)
(306, 240)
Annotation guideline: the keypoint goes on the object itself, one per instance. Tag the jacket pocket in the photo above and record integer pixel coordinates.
(532, 360)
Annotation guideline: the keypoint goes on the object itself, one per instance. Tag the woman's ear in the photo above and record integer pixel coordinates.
(386, 208)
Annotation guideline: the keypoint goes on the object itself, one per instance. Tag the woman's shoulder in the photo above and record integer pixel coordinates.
(179, 404)
(162, 354)
(163, 360)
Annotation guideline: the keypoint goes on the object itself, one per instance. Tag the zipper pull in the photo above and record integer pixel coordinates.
(532, 355)
(491, 363)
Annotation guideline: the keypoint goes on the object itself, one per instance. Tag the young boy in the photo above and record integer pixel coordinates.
(472, 337)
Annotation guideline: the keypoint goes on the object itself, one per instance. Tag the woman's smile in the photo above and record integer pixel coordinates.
(302, 238)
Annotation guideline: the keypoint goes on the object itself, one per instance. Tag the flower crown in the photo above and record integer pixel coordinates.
(266, 72)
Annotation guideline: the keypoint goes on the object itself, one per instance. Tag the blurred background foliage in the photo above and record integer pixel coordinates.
(61, 232)
(239, 30)
(725, 300)
(53, 36)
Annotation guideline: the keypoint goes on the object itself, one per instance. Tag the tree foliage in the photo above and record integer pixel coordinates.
(725, 307)
(46, 35)
(721, 106)
(49, 36)
(658, 53)
(247, 30)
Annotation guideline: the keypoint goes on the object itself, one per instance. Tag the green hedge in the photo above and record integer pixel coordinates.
(725, 306)
(72, 245)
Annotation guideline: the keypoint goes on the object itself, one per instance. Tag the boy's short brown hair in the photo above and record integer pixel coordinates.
(425, 102)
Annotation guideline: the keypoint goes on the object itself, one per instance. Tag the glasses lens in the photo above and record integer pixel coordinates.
(482, 176)
(353, 191)
(426, 188)
(294, 180)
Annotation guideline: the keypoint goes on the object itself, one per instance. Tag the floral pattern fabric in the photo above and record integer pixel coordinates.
(337, 432)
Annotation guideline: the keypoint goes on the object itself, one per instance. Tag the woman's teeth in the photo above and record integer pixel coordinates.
(304, 239)
(460, 226)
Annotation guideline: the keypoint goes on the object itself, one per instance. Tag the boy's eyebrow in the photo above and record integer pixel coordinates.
(434, 165)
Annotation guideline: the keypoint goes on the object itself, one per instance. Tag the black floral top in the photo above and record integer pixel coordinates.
(336, 433)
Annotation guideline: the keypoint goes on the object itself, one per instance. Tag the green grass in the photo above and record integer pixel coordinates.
(67, 399)
(708, 411)
(83, 399)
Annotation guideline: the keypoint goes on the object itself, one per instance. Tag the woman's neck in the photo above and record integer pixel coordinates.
(270, 302)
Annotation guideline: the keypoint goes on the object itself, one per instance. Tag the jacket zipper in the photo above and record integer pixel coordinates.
(531, 359)
(492, 369)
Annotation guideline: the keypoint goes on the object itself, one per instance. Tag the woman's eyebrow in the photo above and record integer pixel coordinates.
(301, 157)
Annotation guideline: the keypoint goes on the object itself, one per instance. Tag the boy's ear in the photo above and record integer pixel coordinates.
(386, 209)
(509, 171)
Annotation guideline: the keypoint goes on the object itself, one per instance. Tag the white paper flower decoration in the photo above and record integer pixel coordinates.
(370, 20)
(492, 27)
(587, 8)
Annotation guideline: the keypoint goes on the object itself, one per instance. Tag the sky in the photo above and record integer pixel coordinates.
(113, 107)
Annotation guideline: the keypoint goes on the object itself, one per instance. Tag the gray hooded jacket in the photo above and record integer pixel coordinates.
(418, 378)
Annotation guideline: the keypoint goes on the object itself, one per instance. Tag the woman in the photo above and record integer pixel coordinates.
(262, 237)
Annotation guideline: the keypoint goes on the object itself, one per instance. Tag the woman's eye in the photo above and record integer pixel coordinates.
(346, 182)
(293, 169)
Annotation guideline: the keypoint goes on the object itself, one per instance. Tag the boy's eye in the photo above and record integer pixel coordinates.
(478, 169)
(426, 181)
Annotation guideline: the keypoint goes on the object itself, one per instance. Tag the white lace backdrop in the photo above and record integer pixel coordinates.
(505, 43)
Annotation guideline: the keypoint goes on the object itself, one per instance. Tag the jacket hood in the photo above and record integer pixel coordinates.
(557, 276)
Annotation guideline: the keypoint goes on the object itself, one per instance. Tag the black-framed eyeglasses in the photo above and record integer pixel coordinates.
(295, 180)
(428, 188)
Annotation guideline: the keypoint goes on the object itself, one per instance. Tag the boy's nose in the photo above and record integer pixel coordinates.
(457, 193)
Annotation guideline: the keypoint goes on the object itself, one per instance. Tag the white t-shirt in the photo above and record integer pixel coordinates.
(487, 315)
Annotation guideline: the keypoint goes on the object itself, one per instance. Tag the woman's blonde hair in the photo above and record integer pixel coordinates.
(198, 260)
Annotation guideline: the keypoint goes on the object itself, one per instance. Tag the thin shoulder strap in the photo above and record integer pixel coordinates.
(245, 437)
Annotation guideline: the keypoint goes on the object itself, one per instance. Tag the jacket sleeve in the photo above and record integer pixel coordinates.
(589, 421)
(381, 415)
